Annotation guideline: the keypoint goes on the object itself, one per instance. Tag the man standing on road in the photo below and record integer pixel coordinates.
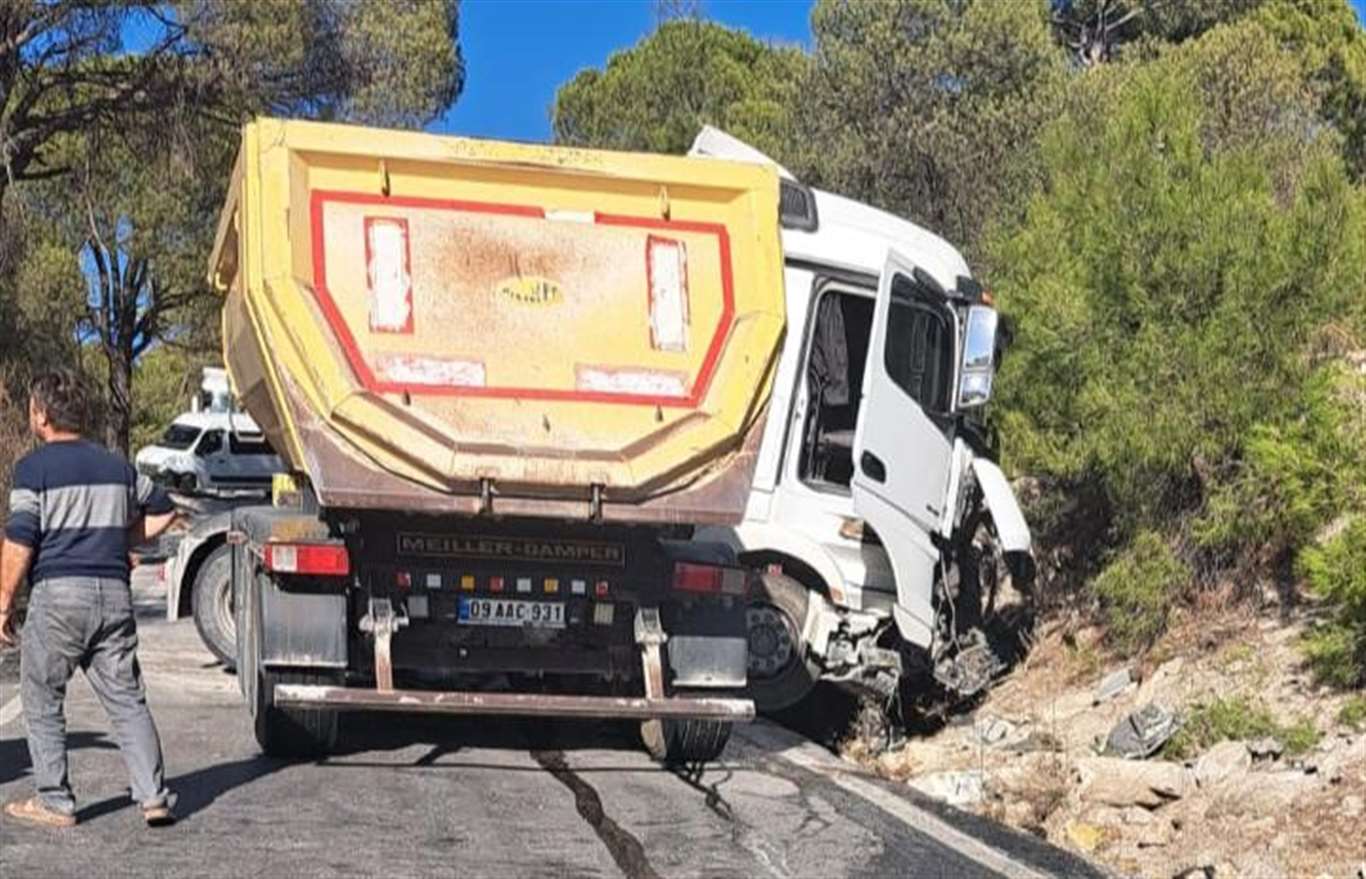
(75, 510)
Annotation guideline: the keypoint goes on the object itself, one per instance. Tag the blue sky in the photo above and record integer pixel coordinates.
(518, 52)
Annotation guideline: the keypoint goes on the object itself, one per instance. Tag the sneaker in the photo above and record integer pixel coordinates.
(35, 811)
(158, 816)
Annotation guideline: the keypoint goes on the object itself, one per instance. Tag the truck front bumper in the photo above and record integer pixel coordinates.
(304, 696)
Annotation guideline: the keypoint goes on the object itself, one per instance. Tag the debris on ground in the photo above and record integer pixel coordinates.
(1114, 684)
(1142, 733)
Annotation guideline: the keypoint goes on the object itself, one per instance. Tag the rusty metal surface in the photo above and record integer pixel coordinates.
(344, 480)
(511, 704)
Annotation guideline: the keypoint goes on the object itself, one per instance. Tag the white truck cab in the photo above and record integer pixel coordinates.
(872, 483)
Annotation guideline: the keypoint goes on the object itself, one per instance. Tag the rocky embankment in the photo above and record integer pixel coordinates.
(1216, 756)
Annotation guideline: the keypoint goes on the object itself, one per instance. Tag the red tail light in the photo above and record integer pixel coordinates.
(319, 560)
(690, 577)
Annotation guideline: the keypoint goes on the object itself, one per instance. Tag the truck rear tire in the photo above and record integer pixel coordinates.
(682, 742)
(781, 671)
(289, 733)
(213, 608)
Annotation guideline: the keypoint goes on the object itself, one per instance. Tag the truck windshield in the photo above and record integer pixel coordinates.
(179, 436)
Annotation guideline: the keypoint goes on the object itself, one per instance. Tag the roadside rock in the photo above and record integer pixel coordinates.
(1038, 741)
(1155, 834)
(959, 789)
(1113, 684)
(1160, 685)
(1221, 762)
(1114, 781)
(1266, 748)
(994, 730)
(1260, 793)
(1086, 837)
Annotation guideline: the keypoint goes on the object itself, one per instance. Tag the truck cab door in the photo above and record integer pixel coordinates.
(902, 454)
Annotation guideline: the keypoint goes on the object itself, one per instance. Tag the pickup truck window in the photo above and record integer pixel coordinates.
(250, 444)
(211, 443)
(179, 437)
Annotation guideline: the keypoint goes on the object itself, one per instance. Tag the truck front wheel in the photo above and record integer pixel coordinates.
(781, 671)
(289, 733)
(213, 607)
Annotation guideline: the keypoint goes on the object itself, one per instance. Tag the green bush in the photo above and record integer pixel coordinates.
(1336, 570)
(1353, 713)
(1296, 474)
(1237, 719)
(1137, 589)
(1195, 240)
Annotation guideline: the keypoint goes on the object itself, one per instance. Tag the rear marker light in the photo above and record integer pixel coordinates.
(467, 583)
(403, 580)
(666, 264)
(387, 268)
(523, 584)
(418, 608)
(578, 587)
(319, 560)
(433, 581)
(495, 584)
(600, 590)
(552, 586)
(711, 579)
(604, 614)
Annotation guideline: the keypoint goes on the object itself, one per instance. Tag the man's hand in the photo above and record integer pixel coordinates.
(9, 636)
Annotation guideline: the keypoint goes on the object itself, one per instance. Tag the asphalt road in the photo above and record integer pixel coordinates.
(412, 796)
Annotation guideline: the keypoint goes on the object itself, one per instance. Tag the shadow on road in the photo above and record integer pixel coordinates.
(14, 759)
(195, 791)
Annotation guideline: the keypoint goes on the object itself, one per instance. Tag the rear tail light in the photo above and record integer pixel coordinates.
(318, 560)
(714, 579)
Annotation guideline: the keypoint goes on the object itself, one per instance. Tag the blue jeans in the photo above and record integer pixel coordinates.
(86, 623)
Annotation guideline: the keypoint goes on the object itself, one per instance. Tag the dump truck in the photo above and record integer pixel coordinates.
(509, 383)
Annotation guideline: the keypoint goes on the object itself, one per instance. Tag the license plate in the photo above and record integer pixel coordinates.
(510, 612)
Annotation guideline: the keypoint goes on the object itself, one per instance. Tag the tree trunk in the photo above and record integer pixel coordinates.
(119, 413)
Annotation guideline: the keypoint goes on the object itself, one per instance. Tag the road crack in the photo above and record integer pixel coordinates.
(625, 849)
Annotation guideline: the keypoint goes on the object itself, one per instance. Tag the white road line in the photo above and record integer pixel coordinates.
(786, 746)
(10, 711)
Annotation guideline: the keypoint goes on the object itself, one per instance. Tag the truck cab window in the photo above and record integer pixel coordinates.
(834, 374)
(919, 354)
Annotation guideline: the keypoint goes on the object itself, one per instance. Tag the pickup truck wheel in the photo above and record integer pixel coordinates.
(781, 671)
(213, 606)
(288, 733)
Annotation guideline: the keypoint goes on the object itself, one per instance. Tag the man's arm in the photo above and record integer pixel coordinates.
(149, 527)
(14, 561)
(157, 512)
(21, 536)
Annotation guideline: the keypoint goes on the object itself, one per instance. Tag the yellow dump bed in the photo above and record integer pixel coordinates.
(443, 325)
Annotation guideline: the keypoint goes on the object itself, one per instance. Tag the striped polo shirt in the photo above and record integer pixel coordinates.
(72, 503)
